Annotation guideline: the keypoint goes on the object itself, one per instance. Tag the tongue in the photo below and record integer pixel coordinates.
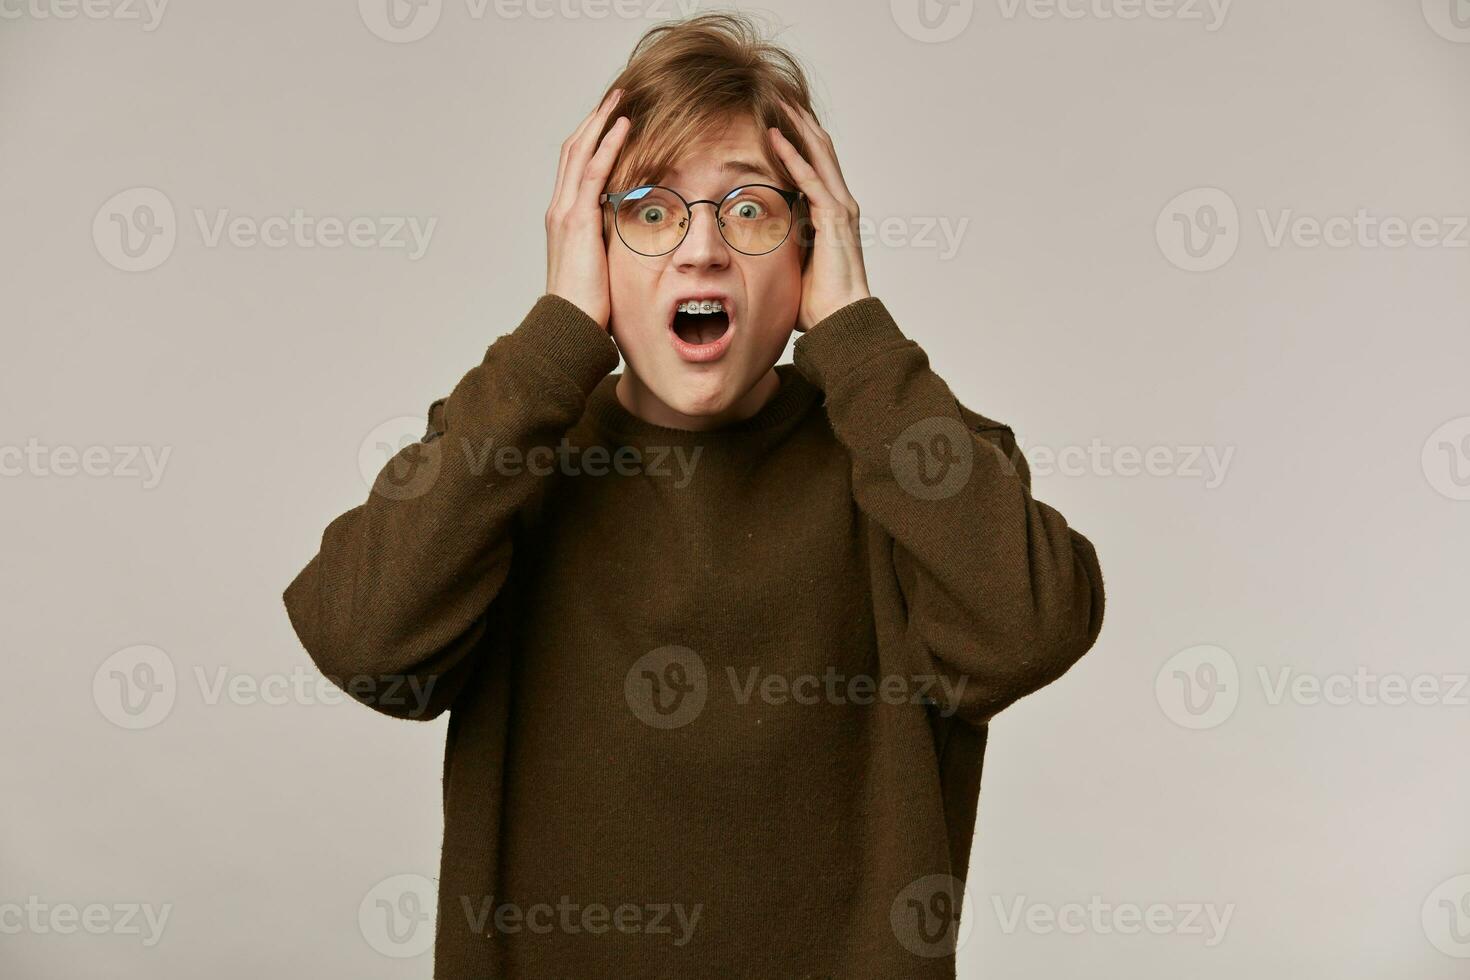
(701, 328)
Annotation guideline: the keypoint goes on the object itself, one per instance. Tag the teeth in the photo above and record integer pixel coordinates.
(702, 306)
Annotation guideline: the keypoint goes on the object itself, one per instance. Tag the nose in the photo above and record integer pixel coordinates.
(703, 246)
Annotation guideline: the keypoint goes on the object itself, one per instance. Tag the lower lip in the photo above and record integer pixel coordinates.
(699, 353)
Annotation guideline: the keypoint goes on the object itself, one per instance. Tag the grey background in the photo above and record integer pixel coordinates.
(1334, 833)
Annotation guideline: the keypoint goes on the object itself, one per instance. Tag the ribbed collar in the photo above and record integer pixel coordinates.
(792, 400)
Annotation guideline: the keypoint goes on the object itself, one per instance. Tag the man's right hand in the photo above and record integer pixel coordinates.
(576, 257)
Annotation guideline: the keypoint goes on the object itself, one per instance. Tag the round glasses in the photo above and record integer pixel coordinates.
(653, 220)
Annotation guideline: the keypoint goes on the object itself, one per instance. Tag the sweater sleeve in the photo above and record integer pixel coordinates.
(395, 599)
(1001, 595)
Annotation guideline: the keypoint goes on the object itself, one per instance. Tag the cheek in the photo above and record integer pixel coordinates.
(618, 273)
(626, 279)
(632, 295)
(780, 282)
(778, 289)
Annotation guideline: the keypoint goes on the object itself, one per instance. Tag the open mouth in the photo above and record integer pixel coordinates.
(701, 328)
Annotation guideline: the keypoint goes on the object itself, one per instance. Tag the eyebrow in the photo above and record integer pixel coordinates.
(737, 167)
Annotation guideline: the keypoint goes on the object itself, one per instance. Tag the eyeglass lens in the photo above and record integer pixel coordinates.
(653, 220)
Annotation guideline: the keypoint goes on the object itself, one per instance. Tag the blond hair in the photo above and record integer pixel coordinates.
(686, 80)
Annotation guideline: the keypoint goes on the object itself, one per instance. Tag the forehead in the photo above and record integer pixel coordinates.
(738, 152)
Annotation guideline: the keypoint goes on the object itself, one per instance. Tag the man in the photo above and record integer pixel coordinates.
(720, 639)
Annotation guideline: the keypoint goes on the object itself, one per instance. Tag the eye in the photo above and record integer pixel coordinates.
(748, 210)
(651, 215)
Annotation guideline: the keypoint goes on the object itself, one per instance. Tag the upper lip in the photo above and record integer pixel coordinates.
(702, 294)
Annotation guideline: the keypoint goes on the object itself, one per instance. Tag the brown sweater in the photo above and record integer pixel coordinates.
(718, 701)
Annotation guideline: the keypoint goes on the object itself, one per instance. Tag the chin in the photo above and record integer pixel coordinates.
(700, 395)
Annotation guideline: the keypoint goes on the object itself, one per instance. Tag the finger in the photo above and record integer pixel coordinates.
(569, 145)
(594, 178)
(568, 163)
(822, 150)
(583, 145)
(805, 175)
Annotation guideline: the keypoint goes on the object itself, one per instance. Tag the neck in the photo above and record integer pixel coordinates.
(640, 401)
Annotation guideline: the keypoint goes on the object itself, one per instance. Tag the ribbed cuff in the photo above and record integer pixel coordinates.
(844, 339)
(562, 334)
